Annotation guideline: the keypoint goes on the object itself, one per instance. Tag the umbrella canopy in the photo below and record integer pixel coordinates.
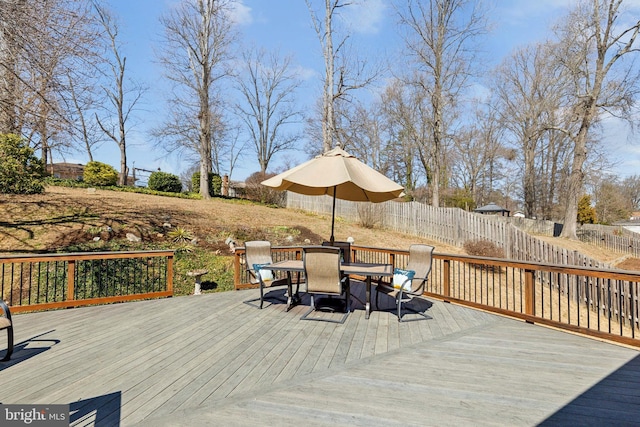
(340, 175)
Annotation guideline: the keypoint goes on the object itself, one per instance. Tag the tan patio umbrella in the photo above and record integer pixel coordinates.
(338, 174)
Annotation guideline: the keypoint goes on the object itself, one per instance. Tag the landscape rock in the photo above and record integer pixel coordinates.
(133, 238)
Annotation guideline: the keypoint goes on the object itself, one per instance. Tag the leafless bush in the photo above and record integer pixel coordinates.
(369, 214)
(484, 248)
(257, 191)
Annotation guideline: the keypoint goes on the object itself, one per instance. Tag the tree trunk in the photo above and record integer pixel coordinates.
(576, 178)
(328, 125)
(529, 178)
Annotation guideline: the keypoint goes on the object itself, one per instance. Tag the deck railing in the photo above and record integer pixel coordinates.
(39, 282)
(592, 301)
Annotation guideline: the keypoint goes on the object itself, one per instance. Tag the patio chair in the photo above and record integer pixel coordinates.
(345, 249)
(323, 276)
(410, 282)
(258, 253)
(345, 254)
(5, 323)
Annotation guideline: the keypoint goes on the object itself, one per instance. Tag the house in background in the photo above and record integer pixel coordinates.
(492, 209)
(233, 188)
(74, 171)
(66, 170)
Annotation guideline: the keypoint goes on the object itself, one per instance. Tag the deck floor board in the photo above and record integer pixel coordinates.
(212, 359)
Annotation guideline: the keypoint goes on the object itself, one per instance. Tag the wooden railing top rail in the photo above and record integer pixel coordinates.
(6, 259)
(633, 276)
(617, 274)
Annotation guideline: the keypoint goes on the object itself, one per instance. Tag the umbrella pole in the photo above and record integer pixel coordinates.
(333, 216)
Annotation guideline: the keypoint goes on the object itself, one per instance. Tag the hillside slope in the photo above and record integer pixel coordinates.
(63, 217)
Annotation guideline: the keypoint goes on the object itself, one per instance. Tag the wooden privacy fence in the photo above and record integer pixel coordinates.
(623, 243)
(613, 238)
(592, 301)
(452, 226)
(39, 282)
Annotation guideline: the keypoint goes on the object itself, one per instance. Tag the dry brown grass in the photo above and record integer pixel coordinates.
(65, 216)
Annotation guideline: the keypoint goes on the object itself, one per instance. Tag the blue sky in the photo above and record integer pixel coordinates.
(286, 25)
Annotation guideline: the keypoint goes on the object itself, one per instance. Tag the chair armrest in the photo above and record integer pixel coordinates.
(420, 289)
(5, 308)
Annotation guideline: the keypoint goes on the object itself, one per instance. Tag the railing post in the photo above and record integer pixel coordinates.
(71, 279)
(170, 274)
(236, 270)
(446, 278)
(529, 292)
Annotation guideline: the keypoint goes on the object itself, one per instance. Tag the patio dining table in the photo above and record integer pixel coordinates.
(368, 270)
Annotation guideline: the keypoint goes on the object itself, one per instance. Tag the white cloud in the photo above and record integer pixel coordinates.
(305, 73)
(365, 16)
(240, 14)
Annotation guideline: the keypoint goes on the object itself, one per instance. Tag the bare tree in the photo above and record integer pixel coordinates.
(529, 91)
(121, 93)
(402, 108)
(235, 148)
(594, 46)
(12, 21)
(345, 73)
(479, 150)
(631, 189)
(85, 128)
(267, 86)
(611, 205)
(325, 34)
(439, 38)
(197, 39)
(41, 43)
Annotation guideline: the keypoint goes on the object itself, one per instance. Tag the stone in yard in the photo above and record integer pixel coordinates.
(133, 238)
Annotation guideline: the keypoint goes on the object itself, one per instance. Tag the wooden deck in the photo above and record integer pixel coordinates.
(214, 360)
